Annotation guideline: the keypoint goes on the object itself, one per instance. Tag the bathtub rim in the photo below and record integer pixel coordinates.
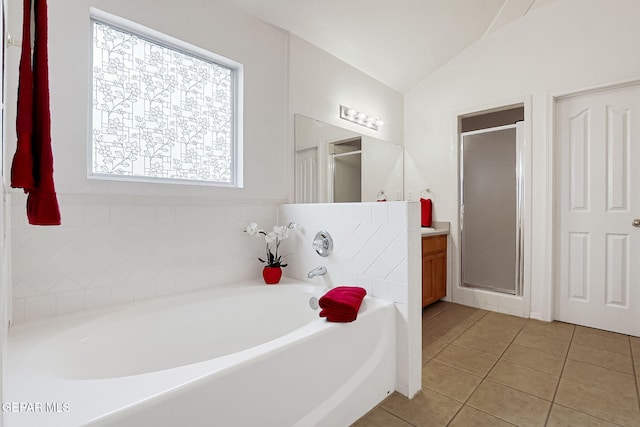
(26, 336)
(26, 330)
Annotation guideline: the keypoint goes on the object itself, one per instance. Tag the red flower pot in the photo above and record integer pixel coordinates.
(272, 275)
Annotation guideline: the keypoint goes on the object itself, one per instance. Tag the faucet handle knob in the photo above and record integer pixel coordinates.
(320, 245)
(323, 243)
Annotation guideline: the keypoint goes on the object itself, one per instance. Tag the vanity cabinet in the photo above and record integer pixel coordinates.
(434, 268)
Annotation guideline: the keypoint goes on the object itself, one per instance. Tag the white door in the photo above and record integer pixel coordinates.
(306, 180)
(597, 144)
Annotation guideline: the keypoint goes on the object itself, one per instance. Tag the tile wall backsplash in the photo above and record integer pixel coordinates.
(114, 250)
(377, 247)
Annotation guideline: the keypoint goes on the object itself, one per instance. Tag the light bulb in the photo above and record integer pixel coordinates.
(360, 118)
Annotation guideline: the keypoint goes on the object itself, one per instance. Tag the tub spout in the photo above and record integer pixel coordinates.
(318, 271)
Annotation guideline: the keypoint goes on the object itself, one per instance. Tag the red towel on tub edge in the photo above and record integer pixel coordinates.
(342, 303)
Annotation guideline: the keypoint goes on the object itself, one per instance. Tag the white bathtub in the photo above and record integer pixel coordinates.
(244, 355)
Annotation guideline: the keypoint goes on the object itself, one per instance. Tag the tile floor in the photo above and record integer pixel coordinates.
(488, 369)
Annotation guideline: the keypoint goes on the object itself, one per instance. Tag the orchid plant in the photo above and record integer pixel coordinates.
(273, 240)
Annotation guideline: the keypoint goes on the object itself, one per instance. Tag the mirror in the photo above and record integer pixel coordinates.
(338, 165)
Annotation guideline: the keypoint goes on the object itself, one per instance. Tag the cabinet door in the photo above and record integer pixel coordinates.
(428, 288)
(434, 269)
(440, 275)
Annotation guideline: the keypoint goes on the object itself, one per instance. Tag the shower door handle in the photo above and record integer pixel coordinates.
(636, 222)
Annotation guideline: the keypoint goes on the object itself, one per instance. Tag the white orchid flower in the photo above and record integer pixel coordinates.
(273, 240)
(270, 237)
(252, 229)
(281, 232)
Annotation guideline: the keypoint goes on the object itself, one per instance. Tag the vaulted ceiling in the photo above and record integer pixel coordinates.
(397, 42)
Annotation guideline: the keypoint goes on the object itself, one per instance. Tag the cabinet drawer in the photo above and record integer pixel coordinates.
(434, 243)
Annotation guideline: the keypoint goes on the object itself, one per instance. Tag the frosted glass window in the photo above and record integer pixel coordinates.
(160, 113)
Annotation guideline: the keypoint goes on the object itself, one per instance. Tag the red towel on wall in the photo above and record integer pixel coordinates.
(341, 304)
(22, 165)
(426, 208)
(32, 167)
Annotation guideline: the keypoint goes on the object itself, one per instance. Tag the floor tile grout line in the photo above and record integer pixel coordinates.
(589, 330)
(564, 363)
(500, 358)
(560, 376)
(444, 310)
(484, 412)
(635, 374)
(605, 367)
(396, 415)
(506, 348)
(596, 386)
(463, 404)
(545, 336)
(520, 391)
(484, 377)
(552, 402)
(435, 315)
(433, 391)
(449, 343)
(532, 348)
(608, 351)
(481, 378)
(520, 365)
(483, 352)
(600, 366)
(589, 415)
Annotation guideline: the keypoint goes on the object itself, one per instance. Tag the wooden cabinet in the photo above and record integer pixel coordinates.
(434, 268)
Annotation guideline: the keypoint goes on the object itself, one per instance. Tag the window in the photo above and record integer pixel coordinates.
(162, 110)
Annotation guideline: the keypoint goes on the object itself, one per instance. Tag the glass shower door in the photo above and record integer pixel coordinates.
(490, 217)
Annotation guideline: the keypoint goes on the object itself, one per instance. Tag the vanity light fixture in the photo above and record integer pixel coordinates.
(360, 118)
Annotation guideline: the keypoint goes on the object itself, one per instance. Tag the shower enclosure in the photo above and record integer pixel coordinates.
(491, 205)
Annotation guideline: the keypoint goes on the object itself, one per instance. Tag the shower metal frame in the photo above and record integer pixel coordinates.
(520, 202)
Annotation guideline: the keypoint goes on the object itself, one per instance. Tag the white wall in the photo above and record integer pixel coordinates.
(377, 247)
(319, 83)
(562, 47)
(121, 242)
(207, 24)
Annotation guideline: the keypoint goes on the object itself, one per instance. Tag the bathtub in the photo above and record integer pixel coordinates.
(242, 355)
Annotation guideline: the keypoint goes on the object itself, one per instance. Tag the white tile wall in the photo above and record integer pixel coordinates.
(377, 247)
(114, 250)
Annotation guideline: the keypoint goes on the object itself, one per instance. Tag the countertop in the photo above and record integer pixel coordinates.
(439, 228)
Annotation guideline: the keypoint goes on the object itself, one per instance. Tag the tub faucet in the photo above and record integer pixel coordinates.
(318, 271)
